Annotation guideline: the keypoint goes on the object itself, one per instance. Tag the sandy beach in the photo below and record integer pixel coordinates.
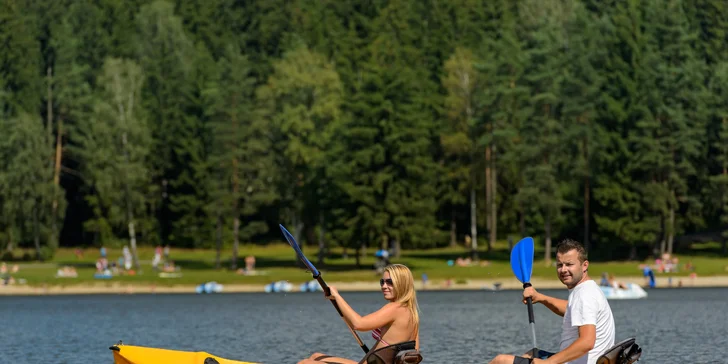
(473, 284)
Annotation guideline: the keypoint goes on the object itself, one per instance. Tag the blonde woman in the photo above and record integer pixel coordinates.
(392, 325)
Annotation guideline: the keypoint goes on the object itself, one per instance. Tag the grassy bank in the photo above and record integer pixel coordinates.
(278, 262)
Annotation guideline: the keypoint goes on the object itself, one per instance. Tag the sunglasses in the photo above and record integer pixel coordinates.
(387, 281)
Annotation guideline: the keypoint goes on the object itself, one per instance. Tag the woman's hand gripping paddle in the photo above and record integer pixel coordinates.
(522, 266)
(317, 276)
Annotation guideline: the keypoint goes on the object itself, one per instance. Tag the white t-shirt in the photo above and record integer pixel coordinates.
(588, 306)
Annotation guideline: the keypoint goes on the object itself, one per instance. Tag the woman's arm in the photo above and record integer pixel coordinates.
(377, 319)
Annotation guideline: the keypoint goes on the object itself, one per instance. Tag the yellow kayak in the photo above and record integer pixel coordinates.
(129, 354)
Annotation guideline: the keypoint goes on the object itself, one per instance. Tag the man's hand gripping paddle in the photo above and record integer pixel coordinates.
(317, 276)
(522, 266)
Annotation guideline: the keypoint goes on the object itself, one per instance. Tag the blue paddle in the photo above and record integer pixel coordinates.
(317, 276)
(522, 266)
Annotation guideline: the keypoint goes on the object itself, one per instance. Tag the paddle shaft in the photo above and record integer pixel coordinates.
(530, 316)
(327, 291)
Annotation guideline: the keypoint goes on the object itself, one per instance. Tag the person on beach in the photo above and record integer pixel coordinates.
(395, 323)
(615, 283)
(157, 257)
(587, 329)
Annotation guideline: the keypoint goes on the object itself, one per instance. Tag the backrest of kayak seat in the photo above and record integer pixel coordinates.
(624, 352)
(389, 354)
(408, 357)
(211, 361)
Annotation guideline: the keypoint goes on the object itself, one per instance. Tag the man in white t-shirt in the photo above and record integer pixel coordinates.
(588, 326)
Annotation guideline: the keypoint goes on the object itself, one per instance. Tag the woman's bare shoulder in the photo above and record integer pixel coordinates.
(395, 307)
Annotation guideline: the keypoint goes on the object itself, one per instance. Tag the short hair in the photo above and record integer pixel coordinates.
(568, 245)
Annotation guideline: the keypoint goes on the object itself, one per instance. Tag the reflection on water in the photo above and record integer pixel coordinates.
(672, 326)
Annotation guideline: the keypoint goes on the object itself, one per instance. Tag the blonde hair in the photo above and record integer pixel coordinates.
(404, 291)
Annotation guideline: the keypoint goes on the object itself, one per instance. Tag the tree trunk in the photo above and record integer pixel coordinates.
(397, 247)
(725, 208)
(129, 208)
(49, 133)
(522, 219)
(453, 229)
(473, 225)
(36, 234)
(53, 239)
(587, 245)
(218, 240)
(235, 212)
(298, 226)
(633, 252)
(321, 241)
(49, 104)
(493, 216)
(547, 235)
(132, 232)
(488, 187)
(358, 256)
(11, 243)
(133, 242)
(236, 240)
(56, 182)
(663, 234)
(671, 230)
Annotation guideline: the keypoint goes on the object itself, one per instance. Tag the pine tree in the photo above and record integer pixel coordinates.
(582, 103)
(239, 162)
(302, 102)
(167, 56)
(390, 174)
(619, 211)
(25, 189)
(542, 153)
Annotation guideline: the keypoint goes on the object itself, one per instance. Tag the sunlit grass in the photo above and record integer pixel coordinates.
(278, 262)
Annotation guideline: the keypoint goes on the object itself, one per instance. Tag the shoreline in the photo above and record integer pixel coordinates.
(365, 286)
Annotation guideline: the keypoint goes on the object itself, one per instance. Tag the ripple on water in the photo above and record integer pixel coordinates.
(672, 326)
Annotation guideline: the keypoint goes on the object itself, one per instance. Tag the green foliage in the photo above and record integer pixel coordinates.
(115, 147)
(26, 187)
(457, 141)
(20, 59)
(301, 101)
(240, 177)
(363, 123)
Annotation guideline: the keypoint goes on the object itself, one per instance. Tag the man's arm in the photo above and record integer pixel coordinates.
(577, 349)
(557, 306)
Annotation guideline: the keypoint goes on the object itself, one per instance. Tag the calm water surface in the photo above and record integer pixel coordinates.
(672, 325)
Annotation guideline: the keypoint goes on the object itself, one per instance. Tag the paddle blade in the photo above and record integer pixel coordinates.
(522, 259)
(292, 242)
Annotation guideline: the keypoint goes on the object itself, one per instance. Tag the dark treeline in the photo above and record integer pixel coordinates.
(206, 123)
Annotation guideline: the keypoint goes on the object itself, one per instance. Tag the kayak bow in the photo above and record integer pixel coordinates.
(129, 354)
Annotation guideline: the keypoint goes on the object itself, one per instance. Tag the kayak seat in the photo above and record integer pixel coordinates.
(402, 353)
(624, 352)
(408, 357)
(209, 360)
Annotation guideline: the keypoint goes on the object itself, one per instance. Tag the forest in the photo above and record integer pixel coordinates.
(361, 123)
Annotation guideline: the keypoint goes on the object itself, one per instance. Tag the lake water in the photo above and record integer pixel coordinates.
(672, 325)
